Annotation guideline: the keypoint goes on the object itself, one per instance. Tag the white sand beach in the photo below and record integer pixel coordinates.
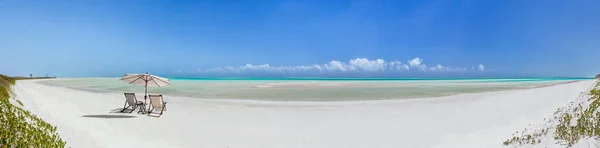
(478, 120)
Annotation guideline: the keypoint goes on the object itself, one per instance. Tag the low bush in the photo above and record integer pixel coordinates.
(20, 128)
(570, 124)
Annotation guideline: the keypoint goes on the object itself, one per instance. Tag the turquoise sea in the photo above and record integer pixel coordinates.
(315, 89)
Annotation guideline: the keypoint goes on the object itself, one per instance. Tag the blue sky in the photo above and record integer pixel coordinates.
(371, 38)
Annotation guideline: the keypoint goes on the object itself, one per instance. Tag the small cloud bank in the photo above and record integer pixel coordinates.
(354, 65)
(481, 67)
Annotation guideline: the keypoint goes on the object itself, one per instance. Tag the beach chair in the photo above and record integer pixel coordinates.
(132, 102)
(157, 102)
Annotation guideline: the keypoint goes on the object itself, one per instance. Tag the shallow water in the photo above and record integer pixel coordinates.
(295, 89)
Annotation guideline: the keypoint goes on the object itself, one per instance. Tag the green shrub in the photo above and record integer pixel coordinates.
(19, 128)
(573, 123)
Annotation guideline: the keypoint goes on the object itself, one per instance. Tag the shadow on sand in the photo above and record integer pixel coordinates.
(108, 116)
(127, 111)
(120, 110)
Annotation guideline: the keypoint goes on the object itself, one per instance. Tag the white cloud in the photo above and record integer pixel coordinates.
(416, 62)
(250, 66)
(446, 68)
(397, 65)
(363, 64)
(336, 66)
(354, 65)
(437, 68)
(481, 67)
(403, 67)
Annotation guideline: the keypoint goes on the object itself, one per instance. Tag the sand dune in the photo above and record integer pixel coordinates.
(479, 120)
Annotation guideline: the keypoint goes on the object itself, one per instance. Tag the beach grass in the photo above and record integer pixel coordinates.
(569, 125)
(19, 127)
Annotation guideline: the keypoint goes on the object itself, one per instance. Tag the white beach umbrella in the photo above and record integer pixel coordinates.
(146, 80)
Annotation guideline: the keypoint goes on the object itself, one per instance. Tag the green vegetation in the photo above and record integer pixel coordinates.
(25, 78)
(570, 124)
(19, 127)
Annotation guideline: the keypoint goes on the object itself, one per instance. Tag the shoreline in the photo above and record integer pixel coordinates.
(306, 100)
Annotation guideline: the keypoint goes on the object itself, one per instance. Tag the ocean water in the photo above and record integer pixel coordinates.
(313, 89)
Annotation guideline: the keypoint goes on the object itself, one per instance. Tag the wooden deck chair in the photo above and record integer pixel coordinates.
(132, 102)
(157, 102)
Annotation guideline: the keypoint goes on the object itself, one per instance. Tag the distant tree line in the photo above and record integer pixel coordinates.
(32, 77)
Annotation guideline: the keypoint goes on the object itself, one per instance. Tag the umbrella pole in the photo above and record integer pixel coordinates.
(145, 92)
(145, 86)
